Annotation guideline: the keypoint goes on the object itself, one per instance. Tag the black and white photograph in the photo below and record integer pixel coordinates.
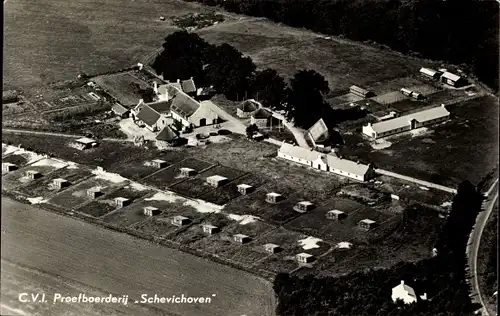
(250, 157)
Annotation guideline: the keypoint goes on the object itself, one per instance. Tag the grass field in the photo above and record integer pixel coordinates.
(122, 265)
(18, 177)
(223, 195)
(466, 148)
(122, 86)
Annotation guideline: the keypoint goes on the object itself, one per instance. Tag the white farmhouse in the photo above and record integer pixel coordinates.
(404, 292)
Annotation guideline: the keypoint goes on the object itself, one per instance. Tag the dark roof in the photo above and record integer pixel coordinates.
(161, 106)
(119, 109)
(248, 106)
(188, 86)
(148, 115)
(262, 114)
(167, 134)
(184, 105)
(319, 131)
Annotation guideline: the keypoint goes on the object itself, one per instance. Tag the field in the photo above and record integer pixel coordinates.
(43, 187)
(76, 195)
(463, 149)
(194, 187)
(223, 195)
(171, 175)
(122, 265)
(122, 87)
(18, 177)
(106, 204)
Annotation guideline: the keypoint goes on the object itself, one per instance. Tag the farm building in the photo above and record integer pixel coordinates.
(149, 117)
(360, 92)
(167, 137)
(187, 172)
(60, 183)
(94, 192)
(32, 174)
(417, 96)
(303, 206)
(430, 73)
(406, 92)
(335, 215)
(151, 211)
(240, 238)
(404, 292)
(407, 122)
(120, 110)
(384, 115)
(452, 79)
(158, 163)
(326, 162)
(210, 229)
(244, 188)
(261, 117)
(8, 167)
(85, 143)
(273, 197)
(304, 257)
(367, 223)
(246, 108)
(216, 181)
(180, 220)
(272, 248)
(162, 107)
(122, 202)
(318, 134)
(188, 86)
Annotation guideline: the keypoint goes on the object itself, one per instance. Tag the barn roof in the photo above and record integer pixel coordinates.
(184, 105)
(428, 71)
(402, 121)
(348, 166)
(319, 131)
(449, 75)
(148, 115)
(298, 152)
(160, 106)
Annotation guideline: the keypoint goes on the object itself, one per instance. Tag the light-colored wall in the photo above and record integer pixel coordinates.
(177, 117)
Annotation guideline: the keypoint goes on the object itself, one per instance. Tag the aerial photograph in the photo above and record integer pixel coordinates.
(250, 157)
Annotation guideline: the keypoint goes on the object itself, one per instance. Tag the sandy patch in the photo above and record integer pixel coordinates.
(166, 196)
(309, 243)
(420, 132)
(243, 219)
(136, 186)
(381, 144)
(104, 175)
(202, 206)
(50, 162)
(36, 200)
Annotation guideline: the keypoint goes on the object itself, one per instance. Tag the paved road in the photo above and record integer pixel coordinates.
(474, 242)
(72, 256)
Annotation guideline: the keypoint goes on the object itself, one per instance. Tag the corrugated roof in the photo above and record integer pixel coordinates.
(428, 71)
(319, 131)
(451, 76)
(188, 86)
(166, 134)
(248, 106)
(119, 109)
(262, 114)
(148, 115)
(402, 121)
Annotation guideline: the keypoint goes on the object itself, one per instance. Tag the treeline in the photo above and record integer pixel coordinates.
(442, 278)
(459, 31)
(223, 67)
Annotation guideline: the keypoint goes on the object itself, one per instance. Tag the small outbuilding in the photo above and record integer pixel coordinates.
(361, 92)
(187, 172)
(8, 167)
(120, 111)
(244, 189)
(158, 163)
(367, 223)
(216, 181)
(246, 108)
(33, 174)
(167, 137)
(261, 117)
(210, 229)
(272, 248)
(335, 215)
(304, 257)
(240, 238)
(404, 292)
(60, 183)
(406, 92)
(94, 192)
(430, 73)
(452, 79)
(180, 220)
(151, 211)
(122, 202)
(86, 143)
(273, 197)
(303, 206)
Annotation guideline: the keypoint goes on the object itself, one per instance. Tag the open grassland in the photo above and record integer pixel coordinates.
(465, 148)
(122, 87)
(124, 265)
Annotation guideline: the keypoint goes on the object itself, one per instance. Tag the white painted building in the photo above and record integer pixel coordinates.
(404, 292)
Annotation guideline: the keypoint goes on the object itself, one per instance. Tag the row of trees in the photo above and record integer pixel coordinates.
(460, 31)
(187, 55)
(368, 293)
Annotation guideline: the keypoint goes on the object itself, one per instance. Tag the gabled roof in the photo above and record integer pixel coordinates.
(248, 106)
(85, 140)
(160, 106)
(262, 114)
(319, 131)
(216, 178)
(184, 105)
(298, 152)
(188, 86)
(167, 134)
(180, 217)
(368, 221)
(428, 71)
(358, 89)
(402, 121)
(148, 115)
(347, 166)
(449, 75)
(405, 288)
(119, 109)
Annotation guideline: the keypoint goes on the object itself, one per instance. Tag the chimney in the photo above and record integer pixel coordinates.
(402, 282)
(442, 105)
(178, 80)
(423, 297)
(155, 87)
(191, 78)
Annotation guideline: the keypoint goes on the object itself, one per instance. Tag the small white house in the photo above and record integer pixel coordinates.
(85, 143)
(180, 220)
(304, 257)
(273, 197)
(8, 167)
(272, 248)
(187, 172)
(151, 211)
(60, 183)
(216, 181)
(404, 292)
(210, 229)
(240, 238)
(121, 202)
(303, 206)
(367, 223)
(244, 189)
(335, 215)
(33, 174)
(158, 163)
(94, 192)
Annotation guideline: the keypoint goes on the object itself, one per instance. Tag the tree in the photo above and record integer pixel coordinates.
(305, 98)
(269, 88)
(251, 130)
